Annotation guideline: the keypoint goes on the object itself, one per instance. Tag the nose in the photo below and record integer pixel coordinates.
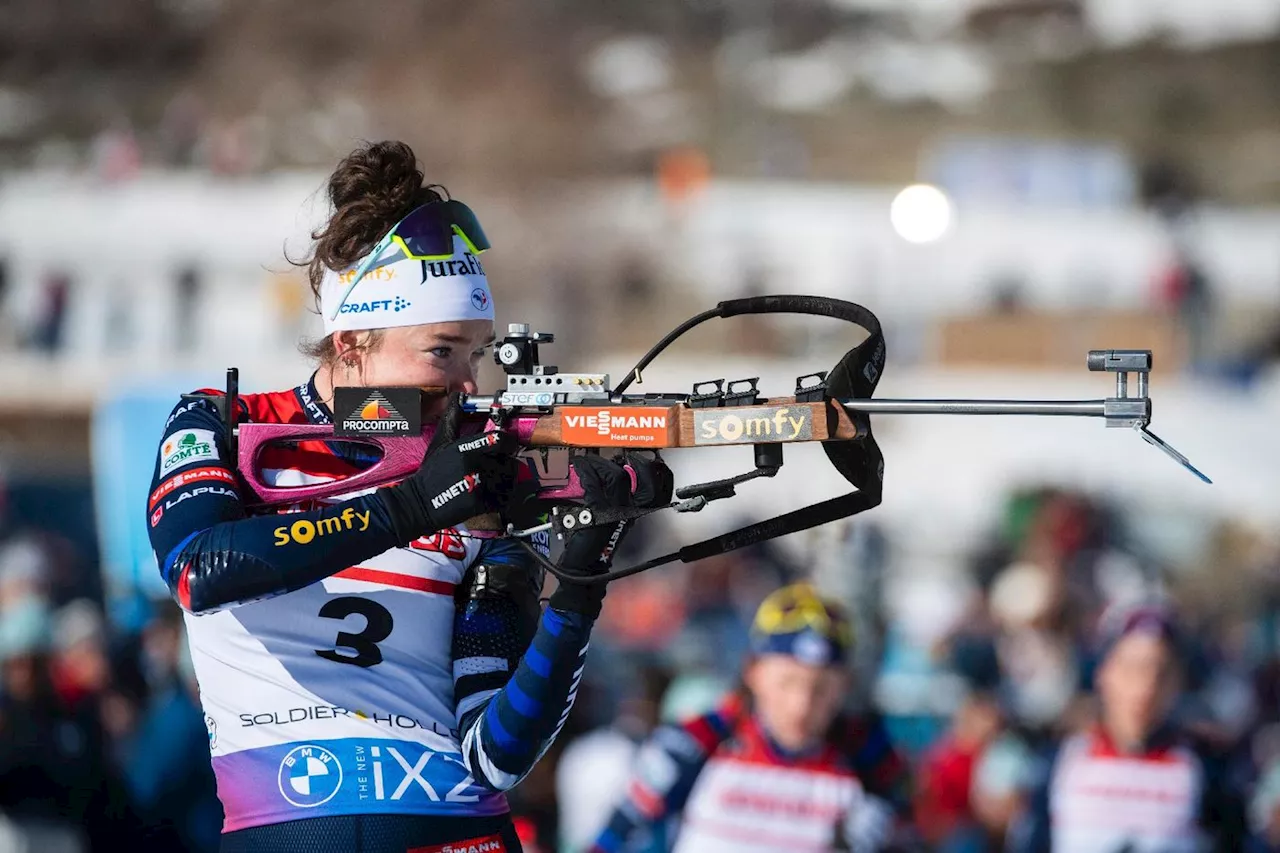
(464, 380)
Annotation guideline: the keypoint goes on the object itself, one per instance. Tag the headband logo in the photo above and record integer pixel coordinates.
(468, 264)
(394, 305)
(479, 299)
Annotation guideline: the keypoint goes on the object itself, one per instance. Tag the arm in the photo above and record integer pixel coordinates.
(516, 670)
(881, 769)
(211, 555)
(1224, 813)
(516, 667)
(1031, 831)
(667, 766)
(885, 809)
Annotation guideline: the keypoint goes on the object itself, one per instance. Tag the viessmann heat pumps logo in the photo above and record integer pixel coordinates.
(610, 427)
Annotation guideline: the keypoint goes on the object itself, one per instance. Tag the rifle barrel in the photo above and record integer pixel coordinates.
(1076, 408)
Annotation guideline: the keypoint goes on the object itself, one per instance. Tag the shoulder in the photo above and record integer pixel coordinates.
(863, 741)
(207, 406)
(201, 407)
(864, 746)
(694, 739)
(853, 734)
(713, 728)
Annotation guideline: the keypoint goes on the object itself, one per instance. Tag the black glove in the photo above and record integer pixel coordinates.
(607, 484)
(459, 479)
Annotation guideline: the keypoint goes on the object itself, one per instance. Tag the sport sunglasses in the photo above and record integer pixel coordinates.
(426, 234)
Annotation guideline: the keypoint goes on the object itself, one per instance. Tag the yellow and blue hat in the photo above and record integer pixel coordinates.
(798, 622)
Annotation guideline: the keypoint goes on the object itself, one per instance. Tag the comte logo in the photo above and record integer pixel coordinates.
(310, 776)
(185, 447)
(187, 440)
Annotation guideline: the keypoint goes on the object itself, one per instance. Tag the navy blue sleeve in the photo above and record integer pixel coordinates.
(1032, 829)
(667, 766)
(211, 554)
(882, 770)
(1224, 814)
(516, 670)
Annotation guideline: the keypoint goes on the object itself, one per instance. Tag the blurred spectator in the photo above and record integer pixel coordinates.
(1037, 654)
(7, 340)
(116, 153)
(24, 571)
(80, 668)
(55, 777)
(1185, 288)
(187, 300)
(167, 758)
(775, 764)
(944, 813)
(593, 769)
(1264, 813)
(1132, 780)
(46, 333)
(1001, 775)
(180, 129)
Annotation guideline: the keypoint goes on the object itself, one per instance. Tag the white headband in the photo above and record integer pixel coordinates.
(400, 291)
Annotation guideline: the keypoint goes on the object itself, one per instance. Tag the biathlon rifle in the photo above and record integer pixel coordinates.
(580, 412)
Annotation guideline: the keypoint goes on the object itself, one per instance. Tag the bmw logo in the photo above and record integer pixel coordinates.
(479, 299)
(309, 776)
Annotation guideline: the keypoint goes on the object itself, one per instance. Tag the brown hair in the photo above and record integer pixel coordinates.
(372, 189)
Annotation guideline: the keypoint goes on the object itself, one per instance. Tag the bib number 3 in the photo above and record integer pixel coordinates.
(377, 627)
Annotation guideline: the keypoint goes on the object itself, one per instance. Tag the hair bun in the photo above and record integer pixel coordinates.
(383, 178)
(372, 189)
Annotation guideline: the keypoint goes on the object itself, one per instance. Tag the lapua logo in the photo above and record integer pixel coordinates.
(200, 490)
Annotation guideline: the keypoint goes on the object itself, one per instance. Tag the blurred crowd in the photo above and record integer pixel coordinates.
(102, 743)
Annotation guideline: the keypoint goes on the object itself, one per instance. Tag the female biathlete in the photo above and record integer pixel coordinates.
(373, 678)
(776, 766)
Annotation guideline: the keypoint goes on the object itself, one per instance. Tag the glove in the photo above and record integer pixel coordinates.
(459, 479)
(607, 484)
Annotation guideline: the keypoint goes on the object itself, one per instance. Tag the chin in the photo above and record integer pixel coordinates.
(794, 740)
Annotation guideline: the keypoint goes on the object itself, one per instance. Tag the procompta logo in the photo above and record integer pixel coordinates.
(753, 425)
(378, 411)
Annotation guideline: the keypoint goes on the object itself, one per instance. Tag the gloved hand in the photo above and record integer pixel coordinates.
(607, 484)
(459, 479)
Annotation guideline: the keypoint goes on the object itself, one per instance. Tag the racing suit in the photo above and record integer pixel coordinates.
(341, 675)
(739, 791)
(1089, 797)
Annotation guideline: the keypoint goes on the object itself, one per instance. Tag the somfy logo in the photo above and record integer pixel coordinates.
(759, 424)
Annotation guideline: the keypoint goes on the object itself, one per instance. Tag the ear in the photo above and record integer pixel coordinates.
(345, 343)
(750, 670)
